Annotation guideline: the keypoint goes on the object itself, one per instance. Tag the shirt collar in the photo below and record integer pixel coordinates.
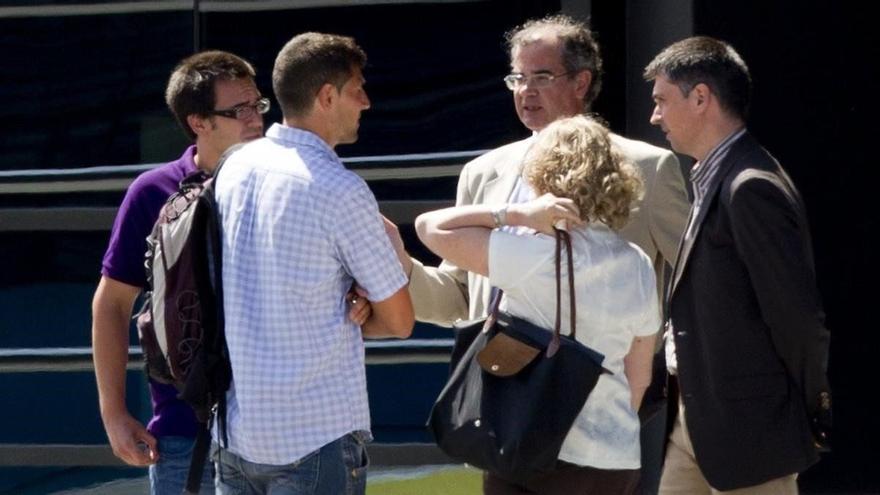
(724, 144)
(188, 160)
(301, 137)
(704, 170)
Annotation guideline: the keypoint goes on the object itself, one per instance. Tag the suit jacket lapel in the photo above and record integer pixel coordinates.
(496, 189)
(677, 266)
(734, 155)
(507, 170)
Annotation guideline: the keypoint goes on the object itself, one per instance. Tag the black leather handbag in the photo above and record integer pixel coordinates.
(514, 389)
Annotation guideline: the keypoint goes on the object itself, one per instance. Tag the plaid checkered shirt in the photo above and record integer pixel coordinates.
(298, 229)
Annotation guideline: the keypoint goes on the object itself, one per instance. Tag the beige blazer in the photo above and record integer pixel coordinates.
(444, 294)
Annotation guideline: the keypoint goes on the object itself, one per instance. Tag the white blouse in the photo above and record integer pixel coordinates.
(616, 297)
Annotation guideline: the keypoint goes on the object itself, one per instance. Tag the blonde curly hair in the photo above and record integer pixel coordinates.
(573, 158)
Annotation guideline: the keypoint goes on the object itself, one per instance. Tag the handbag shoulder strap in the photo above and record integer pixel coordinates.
(572, 307)
(493, 310)
(563, 237)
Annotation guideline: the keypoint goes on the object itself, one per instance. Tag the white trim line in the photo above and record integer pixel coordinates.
(101, 169)
(249, 6)
(54, 10)
(66, 180)
(51, 10)
(100, 218)
(137, 168)
(79, 359)
(121, 184)
(136, 351)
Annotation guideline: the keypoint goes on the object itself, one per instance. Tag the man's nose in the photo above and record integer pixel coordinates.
(655, 117)
(525, 88)
(256, 121)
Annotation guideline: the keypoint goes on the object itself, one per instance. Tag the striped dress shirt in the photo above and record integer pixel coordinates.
(702, 174)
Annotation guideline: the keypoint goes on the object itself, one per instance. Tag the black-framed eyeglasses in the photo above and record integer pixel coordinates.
(540, 80)
(244, 111)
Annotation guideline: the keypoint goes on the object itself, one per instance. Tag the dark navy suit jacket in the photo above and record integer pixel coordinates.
(748, 324)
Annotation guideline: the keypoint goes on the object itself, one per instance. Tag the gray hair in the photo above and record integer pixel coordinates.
(579, 48)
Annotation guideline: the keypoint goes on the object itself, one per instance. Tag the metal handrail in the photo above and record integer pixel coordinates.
(50, 9)
(419, 166)
(66, 359)
(118, 177)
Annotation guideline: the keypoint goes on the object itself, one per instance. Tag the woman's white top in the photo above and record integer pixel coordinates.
(616, 297)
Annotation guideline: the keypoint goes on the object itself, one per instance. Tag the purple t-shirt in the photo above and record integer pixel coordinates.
(124, 262)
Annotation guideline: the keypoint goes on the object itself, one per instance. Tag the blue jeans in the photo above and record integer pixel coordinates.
(168, 476)
(338, 468)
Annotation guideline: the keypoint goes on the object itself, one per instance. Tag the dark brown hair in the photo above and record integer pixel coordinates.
(308, 62)
(190, 89)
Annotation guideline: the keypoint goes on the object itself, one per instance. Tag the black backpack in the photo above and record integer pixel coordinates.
(181, 323)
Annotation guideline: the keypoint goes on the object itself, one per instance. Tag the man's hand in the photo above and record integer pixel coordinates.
(130, 441)
(543, 213)
(360, 308)
(820, 423)
(111, 316)
(397, 242)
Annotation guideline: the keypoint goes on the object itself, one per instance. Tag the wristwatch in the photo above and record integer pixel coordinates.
(499, 215)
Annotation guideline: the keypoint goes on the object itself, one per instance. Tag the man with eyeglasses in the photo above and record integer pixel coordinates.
(556, 72)
(215, 100)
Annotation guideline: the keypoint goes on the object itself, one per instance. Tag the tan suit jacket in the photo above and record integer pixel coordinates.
(444, 294)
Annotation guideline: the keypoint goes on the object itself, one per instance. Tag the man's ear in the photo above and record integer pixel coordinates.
(701, 95)
(326, 96)
(583, 81)
(199, 125)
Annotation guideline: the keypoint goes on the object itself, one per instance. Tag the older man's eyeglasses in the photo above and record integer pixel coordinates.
(244, 111)
(539, 80)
